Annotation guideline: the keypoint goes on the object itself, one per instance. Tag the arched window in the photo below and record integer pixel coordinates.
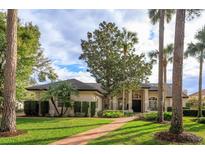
(153, 103)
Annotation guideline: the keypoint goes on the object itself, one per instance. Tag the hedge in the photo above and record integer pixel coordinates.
(31, 108)
(153, 116)
(85, 108)
(77, 107)
(112, 114)
(192, 113)
(169, 109)
(44, 105)
(188, 112)
(93, 109)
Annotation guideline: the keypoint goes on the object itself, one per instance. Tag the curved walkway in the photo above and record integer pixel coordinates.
(85, 137)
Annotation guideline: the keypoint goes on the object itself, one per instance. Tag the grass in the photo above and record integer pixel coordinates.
(48, 130)
(142, 133)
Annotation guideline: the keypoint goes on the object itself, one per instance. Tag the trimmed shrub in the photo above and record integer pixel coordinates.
(85, 106)
(93, 109)
(169, 109)
(77, 107)
(44, 108)
(167, 116)
(201, 120)
(31, 108)
(100, 113)
(192, 113)
(153, 116)
(128, 114)
(112, 114)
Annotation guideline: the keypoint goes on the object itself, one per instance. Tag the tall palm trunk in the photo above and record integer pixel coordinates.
(8, 122)
(177, 113)
(123, 90)
(165, 83)
(160, 75)
(200, 85)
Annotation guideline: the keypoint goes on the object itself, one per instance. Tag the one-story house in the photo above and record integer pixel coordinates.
(143, 99)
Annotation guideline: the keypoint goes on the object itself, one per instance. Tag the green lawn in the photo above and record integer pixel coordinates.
(142, 132)
(48, 130)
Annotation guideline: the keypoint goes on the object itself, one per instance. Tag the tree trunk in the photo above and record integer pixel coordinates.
(165, 83)
(200, 86)
(123, 98)
(177, 112)
(53, 102)
(8, 122)
(160, 75)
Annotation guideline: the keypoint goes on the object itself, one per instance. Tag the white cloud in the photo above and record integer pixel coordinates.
(65, 74)
(65, 50)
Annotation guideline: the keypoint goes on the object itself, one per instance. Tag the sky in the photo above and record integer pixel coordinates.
(62, 31)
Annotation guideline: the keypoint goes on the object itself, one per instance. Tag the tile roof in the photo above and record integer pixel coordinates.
(81, 86)
(196, 93)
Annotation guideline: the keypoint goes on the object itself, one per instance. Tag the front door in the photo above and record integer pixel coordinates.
(136, 105)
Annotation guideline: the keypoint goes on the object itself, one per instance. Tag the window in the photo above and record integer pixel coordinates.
(153, 103)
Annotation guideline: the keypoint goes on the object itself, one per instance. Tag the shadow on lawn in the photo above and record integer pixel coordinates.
(34, 120)
(69, 127)
(130, 135)
(34, 141)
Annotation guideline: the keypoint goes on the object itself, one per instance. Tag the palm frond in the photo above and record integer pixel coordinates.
(168, 14)
(192, 50)
(154, 16)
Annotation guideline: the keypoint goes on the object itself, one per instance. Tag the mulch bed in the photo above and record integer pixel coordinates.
(179, 138)
(12, 134)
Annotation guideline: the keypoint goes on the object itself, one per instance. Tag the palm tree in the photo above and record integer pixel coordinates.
(177, 113)
(127, 42)
(160, 16)
(197, 50)
(8, 122)
(168, 58)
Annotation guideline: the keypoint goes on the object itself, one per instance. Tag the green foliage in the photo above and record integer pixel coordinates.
(85, 106)
(43, 131)
(77, 107)
(44, 107)
(153, 116)
(192, 113)
(100, 114)
(201, 120)
(112, 114)
(93, 109)
(140, 132)
(103, 51)
(30, 58)
(31, 108)
(154, 15)
(61, 91)
(168, 52)
(128, 114)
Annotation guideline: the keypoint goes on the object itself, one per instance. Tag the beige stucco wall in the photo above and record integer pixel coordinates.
(168, 101)
(88, 96)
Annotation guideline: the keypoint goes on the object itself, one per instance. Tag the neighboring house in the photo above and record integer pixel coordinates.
(141, 100)
(197, 93)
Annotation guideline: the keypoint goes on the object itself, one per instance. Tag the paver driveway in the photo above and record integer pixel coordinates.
(85, 137)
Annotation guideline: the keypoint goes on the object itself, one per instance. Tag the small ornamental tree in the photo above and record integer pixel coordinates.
(61, 92)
